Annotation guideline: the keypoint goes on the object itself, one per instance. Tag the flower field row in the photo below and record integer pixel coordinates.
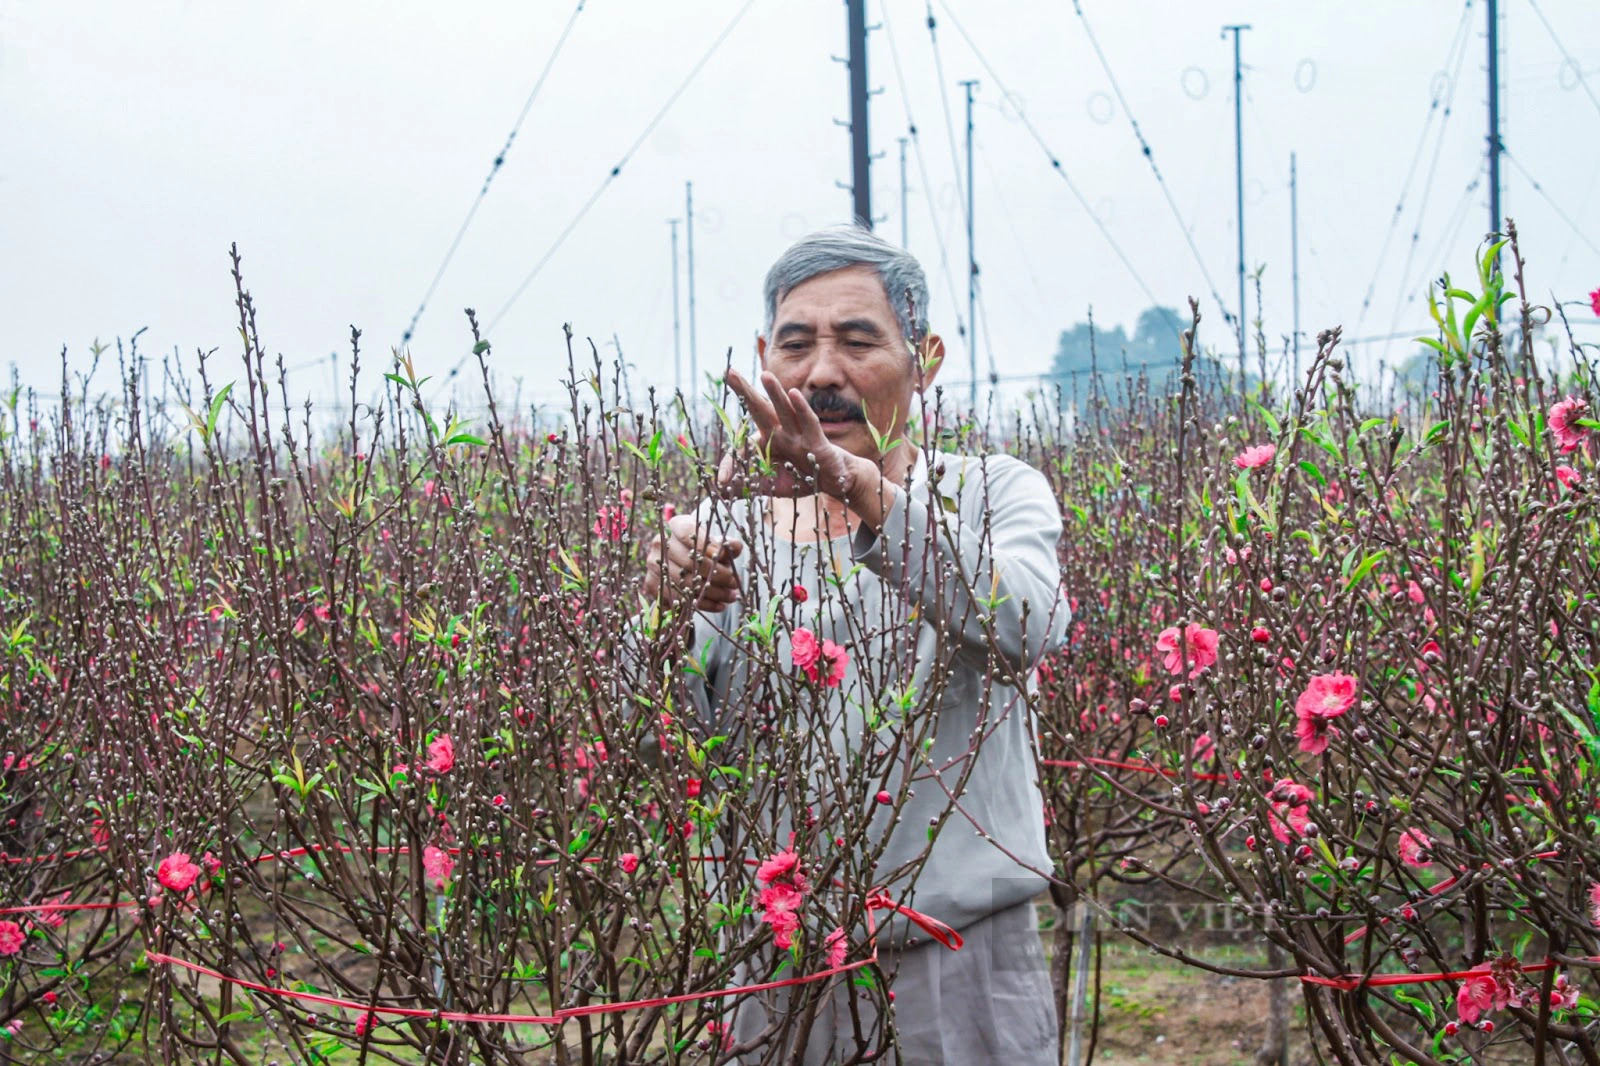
(379, 719)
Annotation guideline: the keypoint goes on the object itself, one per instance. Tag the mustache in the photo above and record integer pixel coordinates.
(830, 405)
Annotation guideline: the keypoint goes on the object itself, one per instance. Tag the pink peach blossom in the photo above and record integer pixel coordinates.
(836, 947)
(177, 872)
(1479, 994)
(441, 755)
(437, 866)
(1290, 800)
(11, 938)
(1564, 415)
(1326, 697)
(837, 659)
(1198, 645)
(805, 650)
(1414, 847)
(782, 866)
(1256, 456)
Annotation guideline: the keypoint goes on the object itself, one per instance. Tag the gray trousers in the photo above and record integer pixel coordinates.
(990, 1002)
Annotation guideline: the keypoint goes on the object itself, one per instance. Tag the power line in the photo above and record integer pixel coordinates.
(1055, 162)
(1553, 205)
(605, 183)
(494, 168)
(1149, 155)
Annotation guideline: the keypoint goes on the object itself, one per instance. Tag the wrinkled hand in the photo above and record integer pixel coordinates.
(690, 566)
(791, 455)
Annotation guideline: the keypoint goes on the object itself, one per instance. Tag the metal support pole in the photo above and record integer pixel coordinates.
(1496, 220)
(860, 153)
(1238, 170)
(677, 333)
(972, 265)
(694, 351)
(1080, 995)
(1294, 263)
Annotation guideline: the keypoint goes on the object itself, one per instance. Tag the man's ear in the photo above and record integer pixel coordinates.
(930, 358)
(761, 351)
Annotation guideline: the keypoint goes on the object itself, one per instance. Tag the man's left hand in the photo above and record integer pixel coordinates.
(800, 460)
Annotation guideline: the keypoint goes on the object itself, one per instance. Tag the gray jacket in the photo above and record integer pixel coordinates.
(917, 640)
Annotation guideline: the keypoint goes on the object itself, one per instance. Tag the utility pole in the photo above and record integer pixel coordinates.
(972, 264)
(677, 333)
(694, 352)
(1238, 170)
(905, 235)
(1496, 222)
(1294, 263)
(860, 152)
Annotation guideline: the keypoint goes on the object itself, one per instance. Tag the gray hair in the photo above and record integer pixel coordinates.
(846, 246)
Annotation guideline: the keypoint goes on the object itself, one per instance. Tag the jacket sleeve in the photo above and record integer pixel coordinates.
(1000, 543)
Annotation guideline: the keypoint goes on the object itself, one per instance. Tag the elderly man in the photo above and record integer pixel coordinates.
(967, 546)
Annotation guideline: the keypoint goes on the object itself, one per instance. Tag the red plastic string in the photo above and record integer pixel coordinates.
(876, 900)
(1380, 980)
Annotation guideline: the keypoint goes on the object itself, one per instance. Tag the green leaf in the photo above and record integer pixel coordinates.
(1366, 565)
(216, 409)
(1268, 417)
(480, 347)
(1476, 312)
(1421, 1006)
(1435, 431)
(466, 438)
(1311, 468)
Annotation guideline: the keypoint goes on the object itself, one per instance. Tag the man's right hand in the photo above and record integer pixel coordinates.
(690, 565)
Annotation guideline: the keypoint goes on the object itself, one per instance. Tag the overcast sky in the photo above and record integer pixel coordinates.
(341, 145)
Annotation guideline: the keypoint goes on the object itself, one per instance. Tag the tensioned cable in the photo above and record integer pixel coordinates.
(1011, 222)
(922, 169)
(944, 100)
(1547, 199)
(494, 168)
(1567, 56)
(1457, 44)
(1427, 194)
(605, 184)
(1447, 236)
(1055, 163)
(1149, 155)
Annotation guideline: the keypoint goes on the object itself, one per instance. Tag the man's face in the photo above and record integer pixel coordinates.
(837, 340)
